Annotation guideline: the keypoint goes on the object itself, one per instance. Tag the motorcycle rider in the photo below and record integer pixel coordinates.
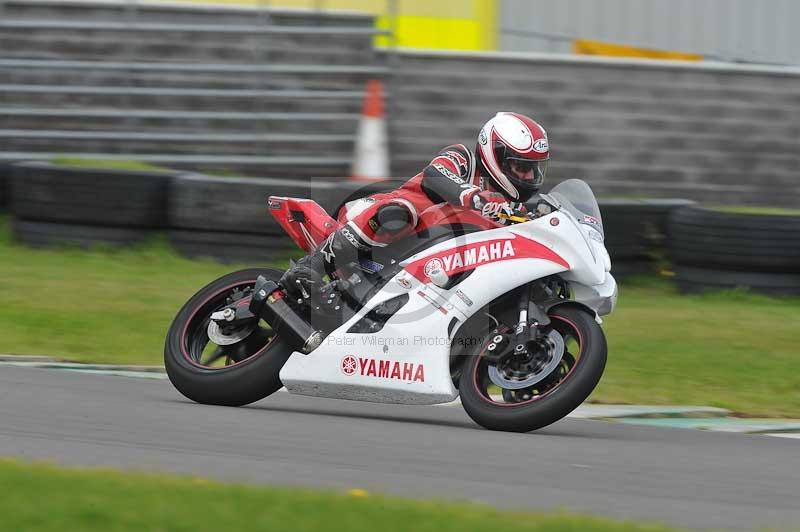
(507, 167)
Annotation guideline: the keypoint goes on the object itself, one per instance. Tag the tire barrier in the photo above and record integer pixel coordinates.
(45, 192)
(636, 232)
(713, 250)
(48, 234)
(227, 218)
(5, 170)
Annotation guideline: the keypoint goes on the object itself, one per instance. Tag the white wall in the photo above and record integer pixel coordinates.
(762, 31)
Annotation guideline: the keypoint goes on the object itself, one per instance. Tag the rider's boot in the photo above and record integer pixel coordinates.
(304, 278)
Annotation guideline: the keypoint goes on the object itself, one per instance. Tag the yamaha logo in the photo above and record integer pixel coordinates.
(349, 365)
(433, 265)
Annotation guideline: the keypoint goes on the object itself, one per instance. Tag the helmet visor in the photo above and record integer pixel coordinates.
(525, 171)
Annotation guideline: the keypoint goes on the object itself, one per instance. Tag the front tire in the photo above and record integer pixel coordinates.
(552, 399)
(251, 367)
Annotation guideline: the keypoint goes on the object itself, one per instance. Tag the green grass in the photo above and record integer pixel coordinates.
(108, 164)
(733, 350)
(104, 305)
(48, 499)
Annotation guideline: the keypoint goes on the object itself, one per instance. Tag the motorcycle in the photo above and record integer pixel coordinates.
(505, 316)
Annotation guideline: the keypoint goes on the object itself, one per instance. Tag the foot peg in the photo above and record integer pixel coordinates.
(268, 303)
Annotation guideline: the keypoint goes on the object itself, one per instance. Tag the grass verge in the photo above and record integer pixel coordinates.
(732, 350)
(108, 164)
(48, 499)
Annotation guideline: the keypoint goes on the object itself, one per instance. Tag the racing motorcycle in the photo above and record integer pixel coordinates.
(506, 316)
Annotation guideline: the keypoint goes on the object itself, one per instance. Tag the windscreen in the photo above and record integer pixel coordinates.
(576, 197)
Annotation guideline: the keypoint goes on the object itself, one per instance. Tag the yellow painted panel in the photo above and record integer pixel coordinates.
(486, 15)
(431, 32)
(587, 47)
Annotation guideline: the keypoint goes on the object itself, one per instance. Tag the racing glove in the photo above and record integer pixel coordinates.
(489, 204)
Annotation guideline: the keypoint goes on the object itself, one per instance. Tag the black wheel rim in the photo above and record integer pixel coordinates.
(200, 351)
(574, 351)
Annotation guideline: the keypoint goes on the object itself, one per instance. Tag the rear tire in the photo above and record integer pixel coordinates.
(246, 381)
(555, 403)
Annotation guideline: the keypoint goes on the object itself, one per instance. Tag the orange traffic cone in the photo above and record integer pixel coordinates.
(371, 156)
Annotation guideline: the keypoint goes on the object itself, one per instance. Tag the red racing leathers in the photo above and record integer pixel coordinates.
(451, 177)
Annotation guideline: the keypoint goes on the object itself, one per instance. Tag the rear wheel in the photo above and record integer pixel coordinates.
(580, 345)
(242, 370)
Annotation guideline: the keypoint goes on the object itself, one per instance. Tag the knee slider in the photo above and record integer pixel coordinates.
(393, 218)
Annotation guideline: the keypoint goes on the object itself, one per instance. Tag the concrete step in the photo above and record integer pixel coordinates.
(527, 101)
(618, 141)
(111, 46)
(210, 80)
(161, 122)
(235, 145)
(437, 123)
(262, 101)
(620, 86)
(575, 71)
(179, 14)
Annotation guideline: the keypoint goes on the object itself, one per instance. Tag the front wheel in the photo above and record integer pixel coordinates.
(233, 374)
(550, 399)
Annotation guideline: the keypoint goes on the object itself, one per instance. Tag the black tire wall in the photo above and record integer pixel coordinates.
(227, 218)
(5, 187)
(86, 196)
(62, 205)
(636, 232)
(715, 250)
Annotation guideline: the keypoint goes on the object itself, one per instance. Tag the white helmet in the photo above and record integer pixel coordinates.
(513, 153)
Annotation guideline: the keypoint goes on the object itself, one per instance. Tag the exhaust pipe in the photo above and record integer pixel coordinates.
(268, 303)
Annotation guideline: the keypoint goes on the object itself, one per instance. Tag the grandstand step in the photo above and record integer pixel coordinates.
(179, 14)
(109, 46)
(163, 121)
(444, 97)
(210, 80)
(177, 99)
(245, 144)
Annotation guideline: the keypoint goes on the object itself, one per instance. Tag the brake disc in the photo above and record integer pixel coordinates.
(555, 348)
(216, 335)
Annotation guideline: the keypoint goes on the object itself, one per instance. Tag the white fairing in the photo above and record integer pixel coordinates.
(408, 361)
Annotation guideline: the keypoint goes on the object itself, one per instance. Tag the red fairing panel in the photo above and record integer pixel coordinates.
(303, 220)
(475, 254)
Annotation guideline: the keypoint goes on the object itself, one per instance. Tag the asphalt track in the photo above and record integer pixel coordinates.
(681, 477)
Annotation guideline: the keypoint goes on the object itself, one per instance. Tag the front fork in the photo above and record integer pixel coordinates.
(528, 330)
(531, 318)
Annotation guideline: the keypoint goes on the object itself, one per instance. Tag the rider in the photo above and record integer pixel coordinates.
(506, 169)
